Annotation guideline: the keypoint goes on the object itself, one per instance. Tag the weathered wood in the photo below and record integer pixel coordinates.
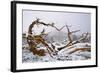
(34, 40)
(80, 49)
(70, 41)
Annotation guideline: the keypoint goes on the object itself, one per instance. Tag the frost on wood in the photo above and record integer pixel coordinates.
(46, 48)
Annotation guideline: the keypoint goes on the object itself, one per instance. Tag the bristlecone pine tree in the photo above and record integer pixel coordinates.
(34, 40)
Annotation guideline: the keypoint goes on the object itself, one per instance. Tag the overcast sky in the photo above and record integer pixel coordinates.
(77, 21)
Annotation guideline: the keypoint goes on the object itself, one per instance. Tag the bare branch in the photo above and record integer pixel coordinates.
(75, 31)
(79, 49)
(32, 25)
(69, 34)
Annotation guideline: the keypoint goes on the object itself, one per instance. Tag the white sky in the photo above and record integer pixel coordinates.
(78, 21)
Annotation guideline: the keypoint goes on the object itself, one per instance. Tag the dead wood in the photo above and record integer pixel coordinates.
(34, 40)
(70, 41)
(80, 49)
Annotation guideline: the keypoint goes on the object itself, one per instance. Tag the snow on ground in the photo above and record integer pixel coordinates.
(63, 55)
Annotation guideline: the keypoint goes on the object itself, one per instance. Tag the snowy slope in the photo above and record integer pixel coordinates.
(63, 55)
